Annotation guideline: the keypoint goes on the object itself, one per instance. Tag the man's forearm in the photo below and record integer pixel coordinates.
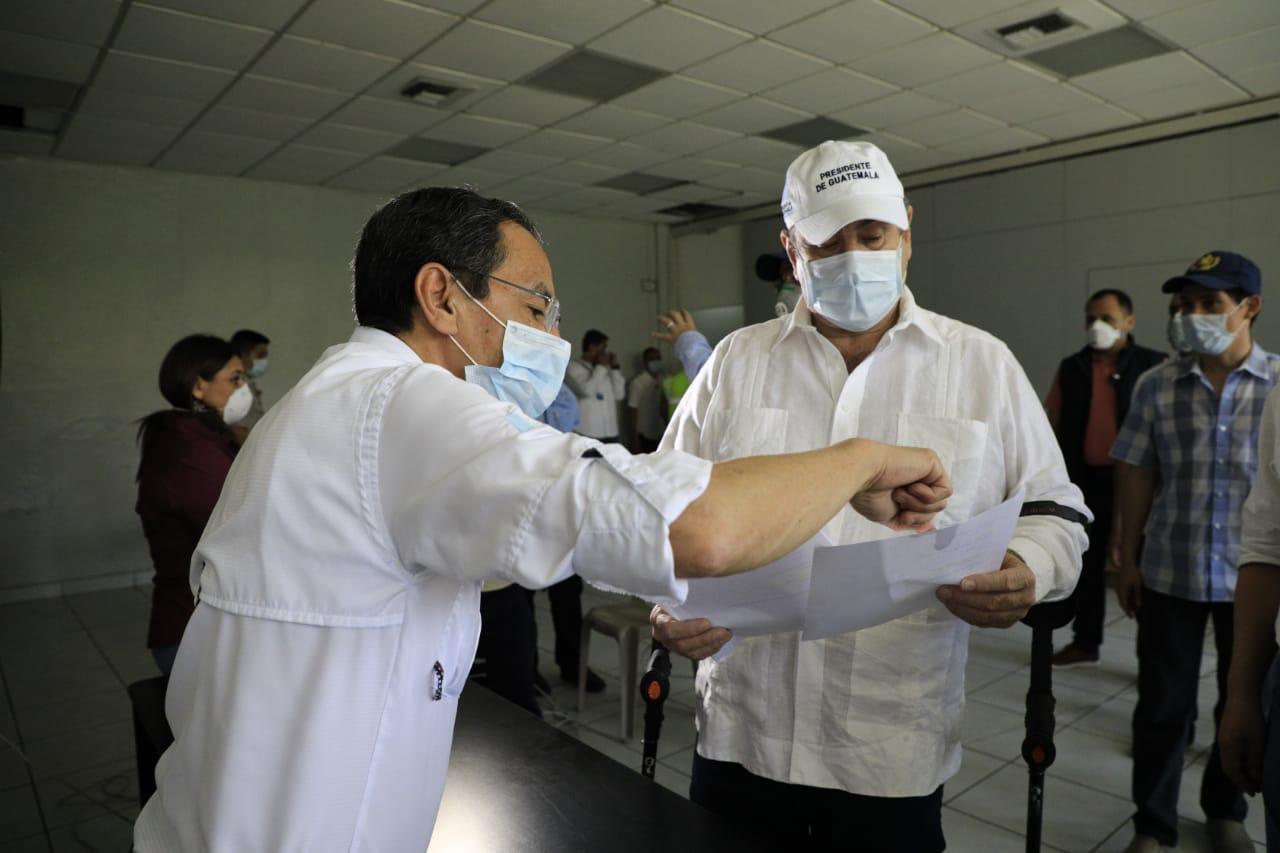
(762, 507)
(1135, 487)
(1257, 600)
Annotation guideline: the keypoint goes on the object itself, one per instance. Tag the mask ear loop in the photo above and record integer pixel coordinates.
(480, 305)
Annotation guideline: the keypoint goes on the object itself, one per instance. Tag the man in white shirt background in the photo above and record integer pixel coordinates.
(600, 387)
(848, 741)
(646, 403)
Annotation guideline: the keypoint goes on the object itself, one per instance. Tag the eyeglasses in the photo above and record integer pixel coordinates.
(552, 318)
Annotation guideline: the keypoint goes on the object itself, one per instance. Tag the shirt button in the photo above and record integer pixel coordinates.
(1217, 526)
(1222, 429)
(1222, 462)
(1217, 494)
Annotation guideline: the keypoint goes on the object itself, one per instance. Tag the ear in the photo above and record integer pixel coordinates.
(792, 250)
(198, 390)
(438, 298)
(1254, 306)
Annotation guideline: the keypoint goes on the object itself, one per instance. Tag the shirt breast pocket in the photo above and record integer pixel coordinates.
(961, 444)
(738, 432)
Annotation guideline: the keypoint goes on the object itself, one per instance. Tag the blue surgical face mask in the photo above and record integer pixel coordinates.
(854, 290)
(1207, 333)
(258, 368)
(532, 370)
(1177, 337)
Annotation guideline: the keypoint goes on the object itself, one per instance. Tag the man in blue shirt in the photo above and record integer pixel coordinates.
(1187, 455)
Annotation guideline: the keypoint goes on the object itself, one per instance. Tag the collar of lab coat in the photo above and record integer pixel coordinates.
(910, 316)
(386, 342)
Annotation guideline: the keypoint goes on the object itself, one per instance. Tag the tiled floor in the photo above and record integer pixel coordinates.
(64, 664)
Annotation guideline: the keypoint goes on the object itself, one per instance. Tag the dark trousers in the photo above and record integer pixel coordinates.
(1170, 644)
(508, 645)
(1091, 591)
(800, 817)
(647, 445)
(566, 617)
(1271, 761)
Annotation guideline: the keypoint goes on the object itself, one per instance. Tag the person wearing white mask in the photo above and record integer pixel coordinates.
(254, 349)
(186, 452)
(1087, 403)
(1187, 454)
(847, 741)
(313, 695)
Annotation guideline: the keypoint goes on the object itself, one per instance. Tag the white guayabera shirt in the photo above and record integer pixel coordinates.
(875, 712)
(314, 692)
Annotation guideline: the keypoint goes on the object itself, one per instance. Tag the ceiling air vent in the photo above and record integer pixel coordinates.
(696, 210)
(432, 93)
(1025, 35)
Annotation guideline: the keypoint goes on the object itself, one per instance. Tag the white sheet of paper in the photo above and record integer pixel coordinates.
(768, 600)
(859, 586)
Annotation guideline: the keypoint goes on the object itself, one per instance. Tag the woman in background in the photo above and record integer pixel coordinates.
(186, 454)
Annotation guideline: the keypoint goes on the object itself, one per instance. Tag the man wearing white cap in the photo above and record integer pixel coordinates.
(849, 740)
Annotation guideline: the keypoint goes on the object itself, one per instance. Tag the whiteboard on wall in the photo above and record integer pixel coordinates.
(715, 323)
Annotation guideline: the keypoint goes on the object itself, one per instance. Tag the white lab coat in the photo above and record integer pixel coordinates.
(874, 712)
(338, 579)
(599, 389)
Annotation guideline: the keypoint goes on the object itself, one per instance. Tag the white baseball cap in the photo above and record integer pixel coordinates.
(837, 183)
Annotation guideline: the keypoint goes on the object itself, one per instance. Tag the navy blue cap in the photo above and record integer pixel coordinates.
(1219, 271)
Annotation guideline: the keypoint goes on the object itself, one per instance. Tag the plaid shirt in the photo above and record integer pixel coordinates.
(1205, 451)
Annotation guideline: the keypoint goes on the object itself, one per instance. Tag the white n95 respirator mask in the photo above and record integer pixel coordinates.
(238, 405)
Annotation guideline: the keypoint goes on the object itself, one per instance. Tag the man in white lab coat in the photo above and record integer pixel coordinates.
(849, 740)
(313, 696)
(600, 386)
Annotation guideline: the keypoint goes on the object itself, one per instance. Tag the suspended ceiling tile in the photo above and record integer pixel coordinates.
(478, 130)
(623, 156)
(1180, 100)
(572, 21)
(691, 169)
(684, 137)
(741, 201)
(1243, 52)
(385, 174)
(897, 108)
(251, 92)
(301, 164)
(1028, 104)
(678, 97)
(939, 130)
(402, 117)
(767, 183)
(853, 29)
(580, 172)
(531, 106)
(184, 37)
(512, 163)
(1146, 75)
(559, 144)
(754, 151)
(385, 27)
(756, 16)
(691, 193)
(753, 115)
(593, 196)
(987, 82)
(1000, 141)
(1089, 120)
(491, 51)
(81, 21)
(950, 13)
(341, 137)
(31, 143)
(1140, 10)
(36, 56)
(831, 90)
(668, 38)
(241, 122)
(924, 60)
(638, 204)
(455, 176)
(144, 109)
(456, 7)
(143, 75)
(614, 122)
(392, 86)
(104, 140)
(756, 66)
(215, 153)
(1264, 80)
(325, 66)
(267, 14)
(1215, 20)
(524, 191)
